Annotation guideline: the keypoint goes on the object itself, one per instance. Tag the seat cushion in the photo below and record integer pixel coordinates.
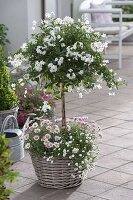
(128, 24)
(110, 30)
(101, 18)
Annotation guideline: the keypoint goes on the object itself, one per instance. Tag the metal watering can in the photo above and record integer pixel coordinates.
(15, 138)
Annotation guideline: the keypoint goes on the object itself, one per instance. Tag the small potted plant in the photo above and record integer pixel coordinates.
(8, 98)
(65, 55)
(32, 100)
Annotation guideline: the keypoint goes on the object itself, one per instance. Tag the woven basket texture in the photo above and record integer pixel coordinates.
(57, 174)
(4, 114)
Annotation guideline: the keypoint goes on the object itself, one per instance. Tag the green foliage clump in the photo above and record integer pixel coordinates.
(3, 39)
(8, 98)
(5, 173)
(127, 9)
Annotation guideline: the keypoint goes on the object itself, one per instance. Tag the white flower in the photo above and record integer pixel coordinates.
(46, 107)
(74, 46)
(13, 85)
(56, 144)
(119, 79)
(38, 65)
(98, 86)
(68, 20)
(57, 138)
(81, 72)
(20, 80)
(27, 146)
(63, 45)
(111, 70)
(111, 93)
(49, 15)
(68, 127)
(98, 46)
(75, 150)
(70, 70)
(34, 25)
(37, 130)
(70, 89)
(49, 128)
(26, 136)
(71, 76)
(35, 125)
(56, 129)
(58, 37)
(64, 152)
(58, 21)
(41, 50)
(106, 61)
(53, 68)
(24, 47)
(17, 60)
(80, 95)
(60, 61)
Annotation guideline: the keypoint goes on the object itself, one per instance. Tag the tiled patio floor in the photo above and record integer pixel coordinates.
(113, 176)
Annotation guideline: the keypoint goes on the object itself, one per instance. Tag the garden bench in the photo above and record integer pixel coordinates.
(115, 31)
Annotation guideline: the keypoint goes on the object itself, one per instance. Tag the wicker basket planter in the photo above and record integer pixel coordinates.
(5, 113)
(57, 174)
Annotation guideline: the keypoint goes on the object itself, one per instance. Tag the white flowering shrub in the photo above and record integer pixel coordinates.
(67, 52)
(77, 142)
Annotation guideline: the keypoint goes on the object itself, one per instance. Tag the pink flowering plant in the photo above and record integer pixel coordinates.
(33, 99)
(77, 142)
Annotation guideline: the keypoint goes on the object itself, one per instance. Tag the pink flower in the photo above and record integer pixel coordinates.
(36, 137)
(47, 136)
(29, 90)
(49, 144)
(22, 117)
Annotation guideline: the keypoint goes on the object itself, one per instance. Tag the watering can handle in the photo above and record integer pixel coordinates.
(5, 123)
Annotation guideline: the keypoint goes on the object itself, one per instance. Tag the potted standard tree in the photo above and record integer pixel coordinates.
(65, 55)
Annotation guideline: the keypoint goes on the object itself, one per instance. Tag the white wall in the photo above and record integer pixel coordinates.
(33, 12)
(64, 8)
(76, 4)
(18, 15)
(51, 6)
(13, 13)
(61, 8)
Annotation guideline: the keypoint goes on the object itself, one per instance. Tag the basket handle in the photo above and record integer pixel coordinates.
(5, 123)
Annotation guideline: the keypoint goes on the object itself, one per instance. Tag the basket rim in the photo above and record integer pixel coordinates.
(45, 157)
(10, 110)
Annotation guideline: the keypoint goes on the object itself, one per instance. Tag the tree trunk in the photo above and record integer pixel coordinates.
(63, 106)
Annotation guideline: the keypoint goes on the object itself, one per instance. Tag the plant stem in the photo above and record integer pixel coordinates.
(63, 106)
